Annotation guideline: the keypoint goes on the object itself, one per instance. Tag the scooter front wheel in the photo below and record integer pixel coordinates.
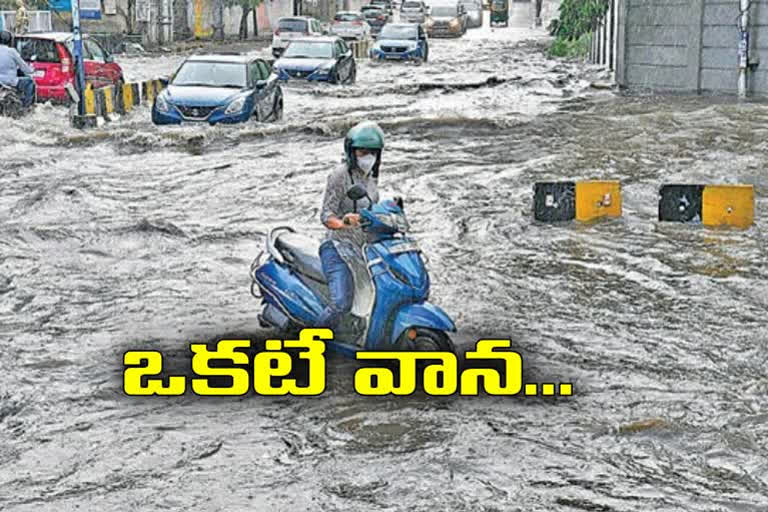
(426, 340)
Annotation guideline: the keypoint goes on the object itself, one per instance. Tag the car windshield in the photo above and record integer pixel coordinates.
(308, 50)
(382, 3)
(398, 32)
(499, 3)
(411, 5)
(347, 16)
(470, 5)
(211, 74)
(292, 25)
(371, 12)
(444, 11)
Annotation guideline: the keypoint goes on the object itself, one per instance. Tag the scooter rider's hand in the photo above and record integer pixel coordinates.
(352, 219)
(345, 223)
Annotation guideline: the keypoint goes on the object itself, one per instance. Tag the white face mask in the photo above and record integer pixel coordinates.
(366, 163)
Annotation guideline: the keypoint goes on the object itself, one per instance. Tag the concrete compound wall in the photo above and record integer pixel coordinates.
(689, 45)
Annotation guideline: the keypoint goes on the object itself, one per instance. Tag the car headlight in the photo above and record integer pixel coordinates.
(161, 104)
(236, 106)
(430, 22)
(454, 22)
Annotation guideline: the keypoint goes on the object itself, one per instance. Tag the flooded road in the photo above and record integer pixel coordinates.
(132, 236)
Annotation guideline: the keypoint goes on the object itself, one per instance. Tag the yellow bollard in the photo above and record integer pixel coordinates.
(595, 199)
(90, 100)
(127, 98)
(109, 106)
(728, 205)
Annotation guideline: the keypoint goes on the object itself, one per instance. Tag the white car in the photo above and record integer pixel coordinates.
(350, 25)
(294, 27)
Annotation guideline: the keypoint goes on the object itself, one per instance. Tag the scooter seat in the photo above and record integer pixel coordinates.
(302, 253)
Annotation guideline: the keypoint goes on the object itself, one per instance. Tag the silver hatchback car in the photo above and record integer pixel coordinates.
(350, 25)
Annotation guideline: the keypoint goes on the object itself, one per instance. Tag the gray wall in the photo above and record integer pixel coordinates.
(689, 45)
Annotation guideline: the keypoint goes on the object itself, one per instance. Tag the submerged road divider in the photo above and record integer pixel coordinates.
(579, 200)
(361, 49)
(710, 205)
(106, 103)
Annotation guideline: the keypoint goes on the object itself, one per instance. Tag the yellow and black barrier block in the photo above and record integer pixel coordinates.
(361, 48)
(89, 120)
(136, 91)
(148, 91)
(712, 205)
(105, 100)
(125, 99)
(583, 200)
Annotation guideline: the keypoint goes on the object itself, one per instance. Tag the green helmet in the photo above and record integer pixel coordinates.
(364, 135)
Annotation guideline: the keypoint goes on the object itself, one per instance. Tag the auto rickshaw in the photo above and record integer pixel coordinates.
(499, 12)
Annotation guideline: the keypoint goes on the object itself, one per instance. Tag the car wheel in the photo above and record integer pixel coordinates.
(334, 77)
(352, 75)
(255, 116)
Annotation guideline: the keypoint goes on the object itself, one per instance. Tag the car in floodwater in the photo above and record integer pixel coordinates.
(446, 20)
(413, 11)
(317, 59)
(294, 27)
(376, 17)
(350, 25)
(219, 89)
(474, 10)
(50, 55)
(401, 41)
(387, 5)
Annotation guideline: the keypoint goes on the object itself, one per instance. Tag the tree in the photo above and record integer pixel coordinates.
(247, 6)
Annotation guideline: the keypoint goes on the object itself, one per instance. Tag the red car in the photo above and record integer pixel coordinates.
(50, 55)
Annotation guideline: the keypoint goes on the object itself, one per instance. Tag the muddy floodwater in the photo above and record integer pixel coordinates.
(132, 236)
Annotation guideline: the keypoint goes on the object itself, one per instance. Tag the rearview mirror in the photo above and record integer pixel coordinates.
(356, 192)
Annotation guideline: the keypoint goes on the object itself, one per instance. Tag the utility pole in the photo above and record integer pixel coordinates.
(80, 119)
(743, 46)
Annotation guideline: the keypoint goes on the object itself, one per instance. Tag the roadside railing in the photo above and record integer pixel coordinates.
(104, 103)
(604, 48)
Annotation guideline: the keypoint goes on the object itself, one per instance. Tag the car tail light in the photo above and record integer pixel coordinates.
(66, 62)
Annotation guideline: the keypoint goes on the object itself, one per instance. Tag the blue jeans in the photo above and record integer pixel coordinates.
(26, 87)
(340, 283)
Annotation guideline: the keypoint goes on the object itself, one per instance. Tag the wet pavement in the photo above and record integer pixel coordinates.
(132, 236)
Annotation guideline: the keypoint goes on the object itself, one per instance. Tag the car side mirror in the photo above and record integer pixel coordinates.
(33, 58)
(260, 84)
(108, 58)
(356, 192)
(164, 80)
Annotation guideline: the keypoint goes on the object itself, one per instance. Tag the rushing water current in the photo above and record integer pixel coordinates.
(133, 236)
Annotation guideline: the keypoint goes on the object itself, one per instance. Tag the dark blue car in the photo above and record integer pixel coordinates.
(219, 89)
(401, 41)
(317, 59)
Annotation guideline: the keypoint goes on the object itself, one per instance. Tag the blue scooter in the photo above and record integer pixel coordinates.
(390, 309)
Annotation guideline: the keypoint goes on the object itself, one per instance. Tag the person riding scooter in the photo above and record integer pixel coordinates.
(344, 239)
(10, 65)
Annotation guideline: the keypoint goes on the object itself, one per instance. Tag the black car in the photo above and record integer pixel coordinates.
(376, 17)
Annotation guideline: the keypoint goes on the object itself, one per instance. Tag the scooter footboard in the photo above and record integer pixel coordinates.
(283, 289)
(422, 314)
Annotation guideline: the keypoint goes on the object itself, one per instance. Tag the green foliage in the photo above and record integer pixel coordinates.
(577, 20)
(578, 47)
(31, 5)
